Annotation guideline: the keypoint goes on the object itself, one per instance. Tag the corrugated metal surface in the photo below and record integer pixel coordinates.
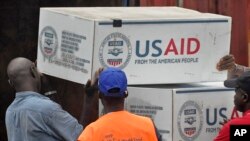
(19, 27)
(238, 11)
(248, 16)
(158, 2)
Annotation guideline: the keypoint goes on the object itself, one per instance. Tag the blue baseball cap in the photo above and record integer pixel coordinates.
(110, 79)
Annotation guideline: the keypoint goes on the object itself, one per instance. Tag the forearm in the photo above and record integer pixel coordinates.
(237, 71)
(90, 108)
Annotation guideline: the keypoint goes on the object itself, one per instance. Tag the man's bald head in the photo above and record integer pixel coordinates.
(18, 66)
(22, 73)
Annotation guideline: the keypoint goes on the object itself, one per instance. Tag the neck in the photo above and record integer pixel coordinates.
(247, 107)
(26, 88)
(112, 104)
(115, 108)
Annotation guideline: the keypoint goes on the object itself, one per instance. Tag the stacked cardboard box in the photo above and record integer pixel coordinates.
(187, 112)
(153, 45)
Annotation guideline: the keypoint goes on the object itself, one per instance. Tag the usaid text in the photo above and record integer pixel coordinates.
(183, 50)
(155, 48)
(214, 116)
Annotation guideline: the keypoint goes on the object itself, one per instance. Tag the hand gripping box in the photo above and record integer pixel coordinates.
(183, 112)
(153, 45)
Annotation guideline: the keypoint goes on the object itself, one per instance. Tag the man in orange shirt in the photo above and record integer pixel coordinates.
(117, 124)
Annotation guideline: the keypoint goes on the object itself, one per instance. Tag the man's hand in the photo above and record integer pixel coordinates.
(226, 63)
(92, 85)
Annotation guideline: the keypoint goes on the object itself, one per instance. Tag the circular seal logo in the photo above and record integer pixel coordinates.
(190, 120)
(115, 51)
(48, 42)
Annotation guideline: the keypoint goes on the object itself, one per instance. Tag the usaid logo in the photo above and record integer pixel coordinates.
(48, 42)
(115, 51)
(189, 120)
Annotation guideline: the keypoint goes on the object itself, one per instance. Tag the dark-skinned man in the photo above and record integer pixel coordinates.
(117, 123)
(33, 116)
(241, 102)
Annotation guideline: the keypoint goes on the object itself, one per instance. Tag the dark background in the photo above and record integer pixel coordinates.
(19, 31)
(18, 37)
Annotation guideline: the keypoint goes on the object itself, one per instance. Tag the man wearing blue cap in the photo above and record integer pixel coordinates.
(242, 104)
(116, 123)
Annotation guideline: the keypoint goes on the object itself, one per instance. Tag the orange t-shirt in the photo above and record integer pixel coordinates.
(120, 126)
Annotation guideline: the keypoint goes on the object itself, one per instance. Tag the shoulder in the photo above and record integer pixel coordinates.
(39, 104)
(87, 134)
(44, 103)
(236, 121)
(239, 121)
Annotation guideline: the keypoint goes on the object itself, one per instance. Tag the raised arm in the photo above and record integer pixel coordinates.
(227, 62)
(90, 104)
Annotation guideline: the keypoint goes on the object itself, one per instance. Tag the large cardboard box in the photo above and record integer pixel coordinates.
(197, 112)
(153, 45)
(156, 103)
(189, 112)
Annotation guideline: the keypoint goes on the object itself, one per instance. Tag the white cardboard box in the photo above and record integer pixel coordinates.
(154, 103)
(189, 112)
(153, 45)
(198, 112)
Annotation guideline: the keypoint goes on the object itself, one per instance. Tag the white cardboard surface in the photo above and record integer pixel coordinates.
(154, 45)
(189, 112)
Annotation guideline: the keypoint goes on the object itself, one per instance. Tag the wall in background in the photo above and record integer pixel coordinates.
(19, 32)
(248, 16)
(238, 10)
(158, 2)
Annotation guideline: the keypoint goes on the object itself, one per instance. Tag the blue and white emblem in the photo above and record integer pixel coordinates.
(115, 51)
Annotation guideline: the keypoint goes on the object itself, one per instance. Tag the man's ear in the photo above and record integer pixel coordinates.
(245, 97)
(11, 83)
(33, 71)
(126, 94)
